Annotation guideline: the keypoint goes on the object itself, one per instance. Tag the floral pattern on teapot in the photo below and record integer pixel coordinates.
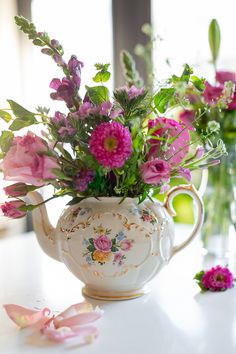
(144, 215)
(102, 249)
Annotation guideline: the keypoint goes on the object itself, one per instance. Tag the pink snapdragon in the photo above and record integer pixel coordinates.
(74, 66)
(27, 161)
(155, 171)
(65, 90)
(111, 144)
(11, 209)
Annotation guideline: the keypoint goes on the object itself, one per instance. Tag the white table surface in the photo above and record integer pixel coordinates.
(175, 318)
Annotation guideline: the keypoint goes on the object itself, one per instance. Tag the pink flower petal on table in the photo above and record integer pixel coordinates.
(24, 317)
(78, 314)
(62, 334)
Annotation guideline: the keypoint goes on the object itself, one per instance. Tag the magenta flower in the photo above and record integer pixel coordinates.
(216, 279)
(224, 76)
(155, 171)
(169, 128)
(187, 117)
(212, 94)
(82, 180)
(65, 89)
(102, 243)
(111, 144)
(85, 109)
(105, 108)
(10, 209)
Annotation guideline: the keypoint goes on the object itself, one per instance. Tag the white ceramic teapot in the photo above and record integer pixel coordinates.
(114, 248)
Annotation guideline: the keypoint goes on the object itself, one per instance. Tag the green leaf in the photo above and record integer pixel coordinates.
(5, 115)
(6, 139)
(198, 83)
(102, 76)
(186, 73)
(91, 248)
(98, 94)
(114, 249)
(130, 72)
(113, 240)
(214, 39)
(162, 98)
(199, 275)
(38, 42)
(20, 123)
(59, 174)
(102, 67)
(75, 200)
(24, 118)
(28, 207)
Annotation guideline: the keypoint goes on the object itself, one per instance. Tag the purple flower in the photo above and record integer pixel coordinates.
(134, 91)
(59, 60)
(185, 173)
(111, 144)
(74, 67)
(216, 279)
(85, 109)
(82, 180)
(105, 108)
(65, 89)
(115, 113)
(155, 171)
(66, 131)
(58, 118)
(63, 125)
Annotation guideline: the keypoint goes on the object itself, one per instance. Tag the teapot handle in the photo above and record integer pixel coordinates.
(168, 204)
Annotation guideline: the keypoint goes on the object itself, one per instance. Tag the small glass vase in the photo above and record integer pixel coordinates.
(218, 233)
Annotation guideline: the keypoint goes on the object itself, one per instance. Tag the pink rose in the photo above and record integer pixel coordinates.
(155, 171)
(224, 76)
(126, 245)
(16, 190)
(27, 162)
(169, 129)
(10, 209)
(103, 243)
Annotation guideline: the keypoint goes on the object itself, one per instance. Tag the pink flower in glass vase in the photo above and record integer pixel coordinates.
(155, 171)
(10, 209)
(111, 144)
(27, 162)
(102, 243)
(224, 76)
(176, 150)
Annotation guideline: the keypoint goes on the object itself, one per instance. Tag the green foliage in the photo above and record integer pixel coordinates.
(198, 277)
(131, 74)
(6, 139)
(24, 118)
(214, 39)
(98, 94)
(162, 99)
(198, 83)
(26, 26)
(5, 116)
(103, 74)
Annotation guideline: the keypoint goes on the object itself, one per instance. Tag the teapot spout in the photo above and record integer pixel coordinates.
(45, 232)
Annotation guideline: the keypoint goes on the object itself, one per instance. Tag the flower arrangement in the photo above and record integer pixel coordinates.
(119, 145)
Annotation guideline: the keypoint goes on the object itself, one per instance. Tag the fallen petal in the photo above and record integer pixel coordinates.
(24, 317)
(78, 320)
(62, 334)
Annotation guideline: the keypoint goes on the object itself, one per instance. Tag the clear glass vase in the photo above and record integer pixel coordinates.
(218, 233)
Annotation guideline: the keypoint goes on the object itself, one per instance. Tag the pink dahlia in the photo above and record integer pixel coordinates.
(111, 144)
(216, 279)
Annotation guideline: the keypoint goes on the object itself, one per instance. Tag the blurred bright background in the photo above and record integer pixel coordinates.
(96, 31)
